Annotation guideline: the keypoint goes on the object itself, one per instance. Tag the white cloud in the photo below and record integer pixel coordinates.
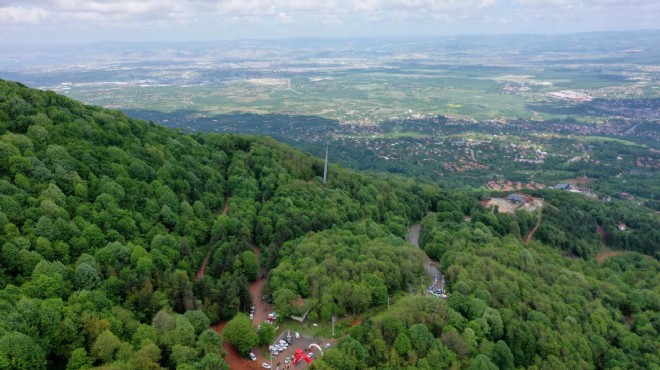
(308, 16)
(247, 7)
(283, 18)
(545, 2)
(12, 15)
(312, 6)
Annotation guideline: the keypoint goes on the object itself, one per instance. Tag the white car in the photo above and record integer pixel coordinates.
(297, 335)
(265, 365)
(327, 345)
(311, 354)
(251, 316)
(253, 357)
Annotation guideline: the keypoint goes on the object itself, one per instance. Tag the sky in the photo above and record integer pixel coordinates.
(82, 21)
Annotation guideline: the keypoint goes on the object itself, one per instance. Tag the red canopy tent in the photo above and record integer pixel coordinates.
(300, 355)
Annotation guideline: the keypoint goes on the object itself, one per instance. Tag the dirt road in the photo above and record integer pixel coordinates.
(261, 307)
(533, 230)
(529, 236)
(261, 310)
(605, 252)
(231, 356)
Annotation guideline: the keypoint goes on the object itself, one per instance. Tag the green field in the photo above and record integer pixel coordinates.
(371, 96)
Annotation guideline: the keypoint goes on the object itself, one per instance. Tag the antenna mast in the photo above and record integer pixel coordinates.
(325, 168)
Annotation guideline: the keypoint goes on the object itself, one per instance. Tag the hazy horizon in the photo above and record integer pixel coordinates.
(383, 37)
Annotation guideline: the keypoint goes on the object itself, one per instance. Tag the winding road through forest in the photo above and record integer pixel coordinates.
(261, 310)
(529, 236)
(262, 307)
(430, 266)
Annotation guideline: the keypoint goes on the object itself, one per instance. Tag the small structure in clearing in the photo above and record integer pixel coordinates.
(514, 202)
(520, 199)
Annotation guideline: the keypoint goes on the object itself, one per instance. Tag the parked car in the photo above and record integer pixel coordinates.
(253, 357)
(251, 316)
(297, 335)
(327, 345)
(265, 365)
(311, 354)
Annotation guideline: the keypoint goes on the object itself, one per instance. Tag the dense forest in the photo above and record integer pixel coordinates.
(105, 221)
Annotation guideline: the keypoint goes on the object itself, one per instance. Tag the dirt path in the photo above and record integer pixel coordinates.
(202, 268)
(533, 230)
(261, 307)
(601, 231)
(529, 236)
(604, 255)
(231, 356)
(261, 310)
(226, 209)
(605, 252)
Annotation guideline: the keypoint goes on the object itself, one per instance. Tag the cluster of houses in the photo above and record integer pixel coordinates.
(505, 185)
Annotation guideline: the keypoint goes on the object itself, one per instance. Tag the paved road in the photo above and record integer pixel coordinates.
(413, 238)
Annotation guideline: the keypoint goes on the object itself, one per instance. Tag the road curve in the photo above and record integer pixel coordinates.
(413, 238)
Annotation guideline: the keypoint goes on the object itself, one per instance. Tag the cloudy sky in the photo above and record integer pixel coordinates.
(73, 21)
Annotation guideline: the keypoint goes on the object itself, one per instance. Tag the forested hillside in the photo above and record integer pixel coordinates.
(105, 221)
(512, 306)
